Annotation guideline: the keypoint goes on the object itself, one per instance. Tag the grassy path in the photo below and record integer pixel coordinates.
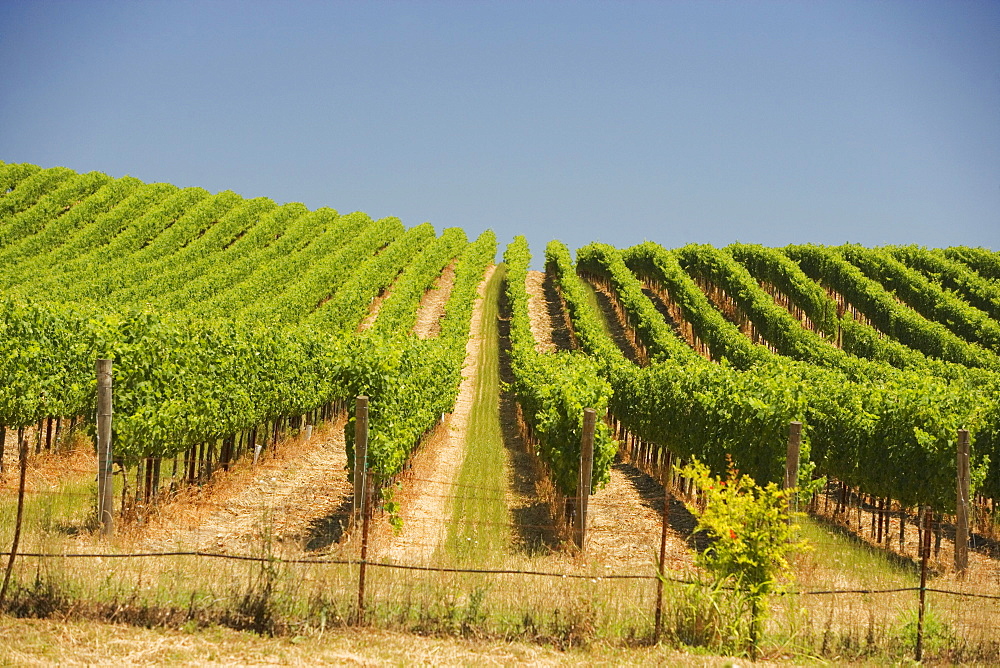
(479, 527)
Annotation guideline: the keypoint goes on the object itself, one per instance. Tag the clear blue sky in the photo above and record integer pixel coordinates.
(769, 122)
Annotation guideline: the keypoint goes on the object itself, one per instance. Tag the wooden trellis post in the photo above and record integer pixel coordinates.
(962, 503)
(586, 475)
(360, 453)
(105, 482)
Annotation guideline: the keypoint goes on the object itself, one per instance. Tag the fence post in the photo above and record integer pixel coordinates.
(665, 519)
(362, 569)
(105, 482)
(925, 553)
(962, 503)
(22, 451)
(586, 475)
(360, 453)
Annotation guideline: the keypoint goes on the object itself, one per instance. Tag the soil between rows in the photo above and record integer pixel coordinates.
(625, 517)
(427, 484)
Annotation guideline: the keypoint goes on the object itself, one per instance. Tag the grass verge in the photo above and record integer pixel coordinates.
(479, 531)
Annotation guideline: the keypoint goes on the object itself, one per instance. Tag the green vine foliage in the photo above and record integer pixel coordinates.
(925, 297)
(888, 432)
(198, 301)
(554, 389)
(223, 314)
(829, 267)
(983, 261)
(952, 275)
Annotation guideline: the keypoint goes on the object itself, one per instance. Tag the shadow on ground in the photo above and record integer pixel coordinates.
(533, 521)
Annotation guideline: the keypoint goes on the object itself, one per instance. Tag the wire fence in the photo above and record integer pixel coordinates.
(631, 519)
(479, 571)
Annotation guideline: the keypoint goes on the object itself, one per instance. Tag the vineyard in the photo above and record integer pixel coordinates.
(240, 330)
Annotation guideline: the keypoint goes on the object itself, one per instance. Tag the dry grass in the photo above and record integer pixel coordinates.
(46, 642)
(73, 460)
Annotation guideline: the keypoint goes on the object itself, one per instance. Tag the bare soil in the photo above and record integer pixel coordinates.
(376, 306)
(431, 309)
(298, 496)
(549, 323)
(541, 321)
(625, 523)
(625, 517)
(675, 317)
(424, 497)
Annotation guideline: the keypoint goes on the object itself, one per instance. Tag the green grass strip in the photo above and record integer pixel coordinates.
(480, 519)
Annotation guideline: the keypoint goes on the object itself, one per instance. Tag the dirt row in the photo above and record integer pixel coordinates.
(625, 518)
(426, 487)
(298, 497)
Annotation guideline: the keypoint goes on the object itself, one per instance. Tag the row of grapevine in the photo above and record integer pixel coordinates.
(411, 382)
(772, 267)
(348, 307)
(13, 173)
(952, 275)
(250, 288)
(51, 204)
(84, 250)
(114, 249)
(68, 236)
(399, 313)
(26, 187)
(984, 262)
(926, 298)
(661, 268)
(322, 276)
(893, 438)
(680, 401)
(788, 335)
(553, 389)
(829, 267)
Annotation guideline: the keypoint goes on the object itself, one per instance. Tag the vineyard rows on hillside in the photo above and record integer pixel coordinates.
(238, 327)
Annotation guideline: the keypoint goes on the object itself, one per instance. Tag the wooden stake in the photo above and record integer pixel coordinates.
(23, 455)
(925, 553)
(366, 512)
(586, 475)
(962, 503)
(360, 453)
(105, 483)
(902, 528)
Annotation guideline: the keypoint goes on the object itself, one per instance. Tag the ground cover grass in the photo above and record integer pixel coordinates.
(479, 531)
(595, 307)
